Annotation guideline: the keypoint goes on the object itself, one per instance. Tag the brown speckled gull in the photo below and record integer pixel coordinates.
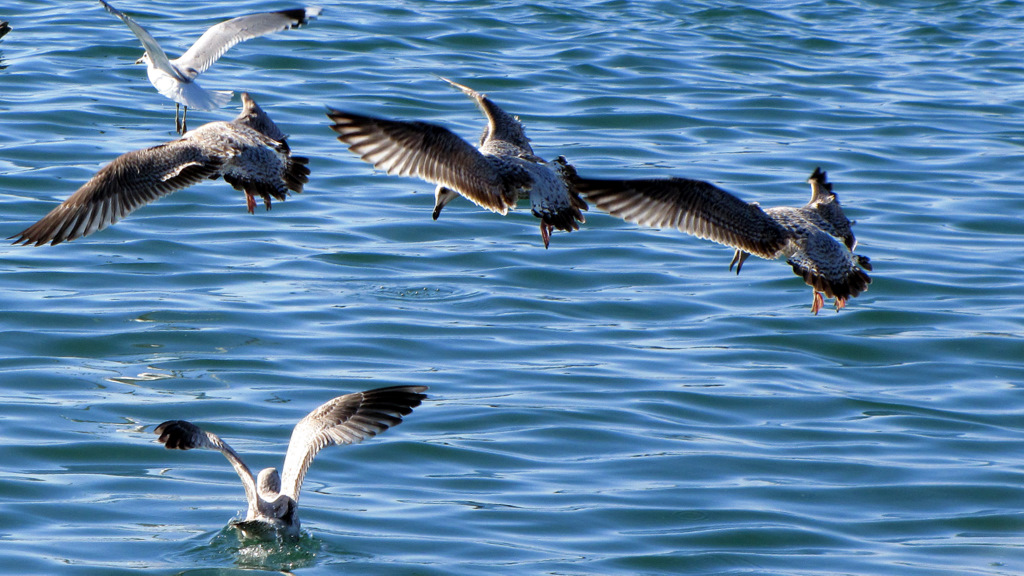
(273, 498)
(495, 175)
(250, 153)
(816, 239)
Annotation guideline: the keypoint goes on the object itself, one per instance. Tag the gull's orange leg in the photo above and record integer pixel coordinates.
(819, 301)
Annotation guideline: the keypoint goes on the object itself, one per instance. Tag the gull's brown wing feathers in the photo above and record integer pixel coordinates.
(426, 151)
(254, 117)
(501, 126)
(691, 206)
(129, 182)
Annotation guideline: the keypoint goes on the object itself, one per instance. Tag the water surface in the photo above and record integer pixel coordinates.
(618, 404)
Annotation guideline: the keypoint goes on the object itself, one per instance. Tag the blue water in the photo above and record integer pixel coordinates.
(618, 404)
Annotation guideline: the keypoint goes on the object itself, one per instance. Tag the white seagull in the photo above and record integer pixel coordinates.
(250, 153)
(274, 497)
(816, 239)
(495, 175)
(175, 79)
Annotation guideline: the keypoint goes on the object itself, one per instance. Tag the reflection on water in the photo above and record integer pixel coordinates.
(284, 555)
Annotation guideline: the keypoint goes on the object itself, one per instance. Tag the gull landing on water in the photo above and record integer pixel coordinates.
(816, 239)
(175, 79)
(274, 497)
(495, 175)
(250, 153)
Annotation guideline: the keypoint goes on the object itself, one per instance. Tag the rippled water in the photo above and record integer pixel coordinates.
(617, 404)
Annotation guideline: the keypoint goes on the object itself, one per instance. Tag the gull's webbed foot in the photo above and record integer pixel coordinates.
(737, 260)
(545, 232)
(819, 301)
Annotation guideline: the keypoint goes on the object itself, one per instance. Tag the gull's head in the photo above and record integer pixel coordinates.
(144, 59)
(442, 196)
(268, 483)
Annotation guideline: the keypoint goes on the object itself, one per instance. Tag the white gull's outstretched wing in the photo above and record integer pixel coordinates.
(219, 38)
(184, 435)
(347, 419)
(156, 54)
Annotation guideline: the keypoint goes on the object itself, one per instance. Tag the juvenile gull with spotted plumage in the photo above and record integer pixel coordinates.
(250, 153)
(273, 498)
(816, 239)
(495, 175)
(175, 78)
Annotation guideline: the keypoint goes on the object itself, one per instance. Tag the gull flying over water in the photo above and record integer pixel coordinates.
(816, 239)
(175, 79)
(274, 497)
(494, 175)
(250, 153)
